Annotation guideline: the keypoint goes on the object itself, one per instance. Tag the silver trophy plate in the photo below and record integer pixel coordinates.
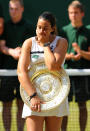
(51, 86)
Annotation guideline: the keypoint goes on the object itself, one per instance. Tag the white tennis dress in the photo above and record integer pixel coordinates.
(63, 110)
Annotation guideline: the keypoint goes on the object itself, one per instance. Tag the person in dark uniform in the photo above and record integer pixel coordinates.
(17, 29)
(1, 31)
(78, 37)
(1, 38)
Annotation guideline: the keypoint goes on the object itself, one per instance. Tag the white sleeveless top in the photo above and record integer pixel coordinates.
(63, 110)
(38, 52)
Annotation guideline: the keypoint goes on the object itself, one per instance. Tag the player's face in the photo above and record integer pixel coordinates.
(43, 29)
(75, 15)
(15, 10)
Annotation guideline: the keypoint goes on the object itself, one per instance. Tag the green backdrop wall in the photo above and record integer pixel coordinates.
(33, 8)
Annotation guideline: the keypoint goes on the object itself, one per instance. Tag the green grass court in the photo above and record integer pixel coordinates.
(73, 123)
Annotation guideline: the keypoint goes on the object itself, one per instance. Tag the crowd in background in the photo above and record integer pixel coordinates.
(12, 35)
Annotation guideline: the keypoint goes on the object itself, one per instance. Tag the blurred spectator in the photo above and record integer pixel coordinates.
(17, 29)
(88, 55)
(77, 57)
(1, 37)
(1, 31)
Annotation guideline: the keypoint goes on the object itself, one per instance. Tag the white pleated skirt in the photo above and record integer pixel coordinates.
(62, 110)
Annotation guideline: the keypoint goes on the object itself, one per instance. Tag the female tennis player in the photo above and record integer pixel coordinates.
(52, 48)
